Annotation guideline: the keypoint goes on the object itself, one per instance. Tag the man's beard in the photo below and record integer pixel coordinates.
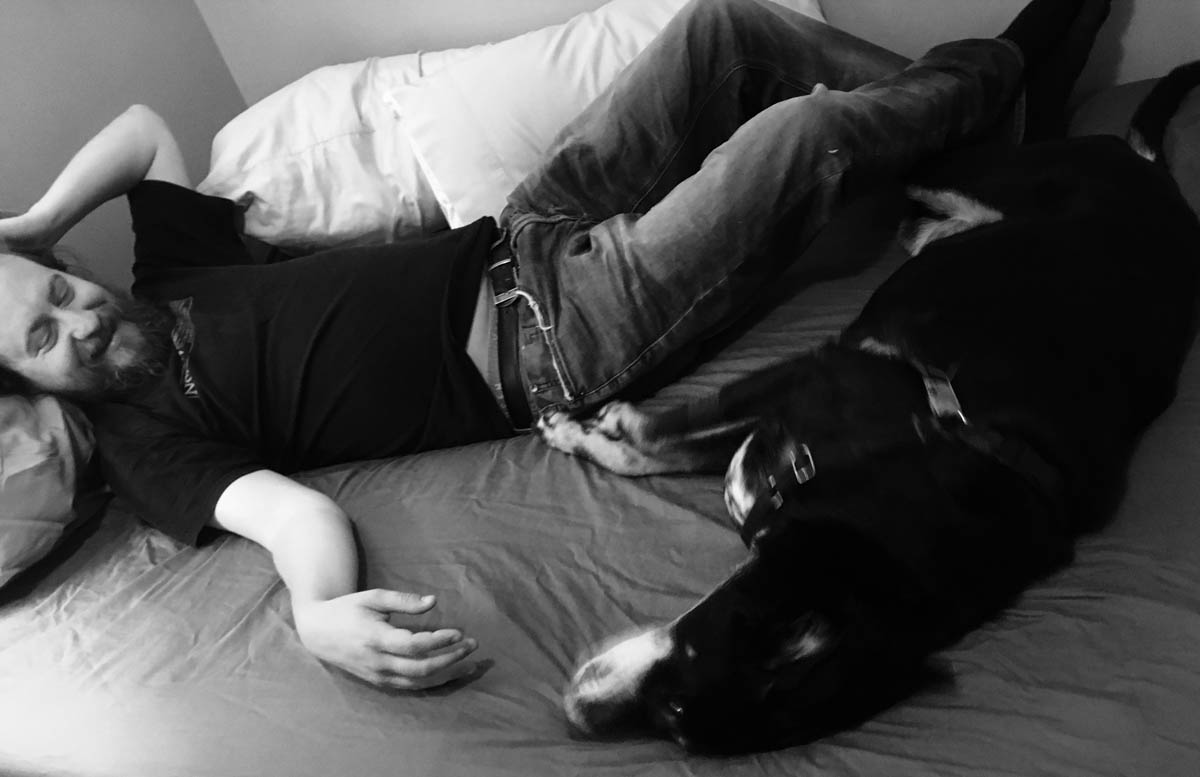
(145, 353)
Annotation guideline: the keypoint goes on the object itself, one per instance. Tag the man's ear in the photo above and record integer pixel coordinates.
(810, 634)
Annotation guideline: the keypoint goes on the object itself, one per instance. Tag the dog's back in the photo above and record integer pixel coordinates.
(1075, 308)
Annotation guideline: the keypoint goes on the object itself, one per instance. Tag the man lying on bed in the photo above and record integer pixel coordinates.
(630, 244)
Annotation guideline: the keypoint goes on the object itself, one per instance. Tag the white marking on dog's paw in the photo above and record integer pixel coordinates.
(603, 438)
(619, 421)
(560, 431)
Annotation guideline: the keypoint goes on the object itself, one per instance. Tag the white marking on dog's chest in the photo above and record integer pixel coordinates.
(954, 212)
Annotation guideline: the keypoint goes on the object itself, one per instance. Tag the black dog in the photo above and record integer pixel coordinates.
(904, 482)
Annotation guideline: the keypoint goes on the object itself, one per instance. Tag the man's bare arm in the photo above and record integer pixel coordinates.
(135, 146)
(312, 544)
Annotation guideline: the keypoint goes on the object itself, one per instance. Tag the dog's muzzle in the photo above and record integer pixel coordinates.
(603, 694)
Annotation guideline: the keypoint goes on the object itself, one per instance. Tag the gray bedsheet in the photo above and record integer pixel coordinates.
(129, 655)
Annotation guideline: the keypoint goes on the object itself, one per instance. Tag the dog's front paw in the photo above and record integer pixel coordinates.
(559, 430)
(603, 438)
(618, 421)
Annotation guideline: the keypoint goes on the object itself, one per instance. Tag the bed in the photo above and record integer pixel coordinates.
(125, 653)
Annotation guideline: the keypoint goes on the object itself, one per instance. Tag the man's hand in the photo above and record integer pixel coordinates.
(312, 545)
(352, 632)
(24, 232)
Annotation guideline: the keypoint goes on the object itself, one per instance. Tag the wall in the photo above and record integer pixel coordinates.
(1141, 39)
(70, 66)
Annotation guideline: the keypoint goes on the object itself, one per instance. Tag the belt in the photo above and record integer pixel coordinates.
(502, 271)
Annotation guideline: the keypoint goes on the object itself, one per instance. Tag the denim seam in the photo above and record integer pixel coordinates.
(651, 346)
(515, 226)
(742, 65)
(550, 338)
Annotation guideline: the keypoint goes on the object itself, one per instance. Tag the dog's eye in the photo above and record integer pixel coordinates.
(668, 717)
(689, 651)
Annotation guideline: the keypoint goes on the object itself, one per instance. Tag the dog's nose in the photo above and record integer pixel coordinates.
(605, 690)
(592, 705)
(588, 695)
(590, 676)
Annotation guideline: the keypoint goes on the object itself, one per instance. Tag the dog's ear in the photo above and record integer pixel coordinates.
(805, 637)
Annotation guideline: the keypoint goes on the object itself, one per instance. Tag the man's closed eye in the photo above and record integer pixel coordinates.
(42, 337)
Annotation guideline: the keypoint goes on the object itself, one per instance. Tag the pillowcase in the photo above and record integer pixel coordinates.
(1109, 111)
(323, 162)
(479, 126)
(45, 447)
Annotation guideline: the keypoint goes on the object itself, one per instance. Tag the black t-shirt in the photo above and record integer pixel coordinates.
(344, 355)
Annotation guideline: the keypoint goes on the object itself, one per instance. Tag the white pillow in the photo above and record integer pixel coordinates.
(479, 126)
(323, 161)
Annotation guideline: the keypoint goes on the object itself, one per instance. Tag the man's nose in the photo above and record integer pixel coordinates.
(80, 324)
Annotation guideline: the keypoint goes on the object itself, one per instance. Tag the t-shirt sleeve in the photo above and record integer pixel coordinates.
(177, 227)
(169, 476)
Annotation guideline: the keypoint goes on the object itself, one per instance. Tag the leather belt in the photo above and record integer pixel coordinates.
(502, 271)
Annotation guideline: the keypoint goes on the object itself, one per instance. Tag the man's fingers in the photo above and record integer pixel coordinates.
(431, 668)
(455, 672)
(399, 642)
(385, 601)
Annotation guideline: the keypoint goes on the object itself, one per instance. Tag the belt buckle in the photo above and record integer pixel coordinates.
(503, 274)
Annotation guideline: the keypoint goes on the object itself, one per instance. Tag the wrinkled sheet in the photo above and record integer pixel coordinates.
(128, 654)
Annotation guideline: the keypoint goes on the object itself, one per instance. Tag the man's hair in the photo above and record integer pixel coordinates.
(11, 381)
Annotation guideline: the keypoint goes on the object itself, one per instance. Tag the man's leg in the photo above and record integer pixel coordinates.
(1054, 61)
(715, 65)
(618, 294)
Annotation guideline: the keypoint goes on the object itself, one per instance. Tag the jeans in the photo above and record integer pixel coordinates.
(704, 170)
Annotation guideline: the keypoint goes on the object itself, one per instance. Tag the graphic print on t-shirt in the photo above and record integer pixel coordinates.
(182, 335)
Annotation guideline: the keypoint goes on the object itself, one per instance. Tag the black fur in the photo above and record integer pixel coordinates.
(1148, 127)
(1064, 327)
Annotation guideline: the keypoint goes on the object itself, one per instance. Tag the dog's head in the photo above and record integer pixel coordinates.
(812, 634)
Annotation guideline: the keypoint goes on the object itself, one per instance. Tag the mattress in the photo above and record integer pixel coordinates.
(128, 654)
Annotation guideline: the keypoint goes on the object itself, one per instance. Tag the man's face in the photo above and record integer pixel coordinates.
(66, 335)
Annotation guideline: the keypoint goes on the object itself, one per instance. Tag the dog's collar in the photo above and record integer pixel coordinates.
(943, 402)
(946, 419)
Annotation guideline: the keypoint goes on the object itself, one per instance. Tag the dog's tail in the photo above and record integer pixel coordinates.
(1149, 124)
